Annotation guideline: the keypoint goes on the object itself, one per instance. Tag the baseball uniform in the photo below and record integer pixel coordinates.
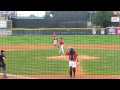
(72, 61)
(2, 63)
(61, 46)
(54, 33)
(55, 40)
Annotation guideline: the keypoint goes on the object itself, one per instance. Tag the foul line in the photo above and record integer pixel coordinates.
(19, 76)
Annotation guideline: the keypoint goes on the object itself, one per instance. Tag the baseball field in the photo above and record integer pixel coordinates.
(34, 57)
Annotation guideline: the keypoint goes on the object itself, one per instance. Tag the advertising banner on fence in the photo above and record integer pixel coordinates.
(102, 32)
(94, 32)
(3, 24)
(111, 31)
(99, 31)
(4, 32)
(118, 31)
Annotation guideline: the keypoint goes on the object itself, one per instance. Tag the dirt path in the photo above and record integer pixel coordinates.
(80, 74)
(36, 47)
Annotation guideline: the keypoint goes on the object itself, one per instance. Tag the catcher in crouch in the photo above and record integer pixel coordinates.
(72, 61)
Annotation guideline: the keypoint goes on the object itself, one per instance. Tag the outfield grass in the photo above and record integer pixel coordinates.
(35, 62)
(85, 39)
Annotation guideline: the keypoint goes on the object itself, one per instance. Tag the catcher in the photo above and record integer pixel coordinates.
(72, 61)
(2, 63)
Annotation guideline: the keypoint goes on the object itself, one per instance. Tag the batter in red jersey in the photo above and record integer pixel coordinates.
(54, 40)
(72, 61)
(61, 46)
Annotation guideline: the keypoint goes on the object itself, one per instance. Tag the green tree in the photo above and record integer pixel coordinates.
(102, 18)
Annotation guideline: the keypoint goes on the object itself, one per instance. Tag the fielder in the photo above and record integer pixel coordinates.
(54, 33)
(2, 63)
(54, 40)
(61, 46)
(72, 61)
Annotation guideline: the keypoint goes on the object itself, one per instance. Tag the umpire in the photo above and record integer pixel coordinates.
(2, 63)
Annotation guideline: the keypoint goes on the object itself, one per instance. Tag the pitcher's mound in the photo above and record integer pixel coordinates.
(63, 57)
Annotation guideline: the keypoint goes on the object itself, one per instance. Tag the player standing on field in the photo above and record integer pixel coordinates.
(61, 46)
(54, 33)
(54, 40)
(2, 63)
(72, 61)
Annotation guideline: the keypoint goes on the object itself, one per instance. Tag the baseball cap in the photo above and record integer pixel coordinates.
(2, 51)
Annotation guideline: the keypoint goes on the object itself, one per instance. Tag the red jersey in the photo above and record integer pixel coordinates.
(55, 38)
(75, 58)
(61, 42)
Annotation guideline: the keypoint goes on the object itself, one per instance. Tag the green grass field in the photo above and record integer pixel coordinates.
(35, 61)
(85, 39)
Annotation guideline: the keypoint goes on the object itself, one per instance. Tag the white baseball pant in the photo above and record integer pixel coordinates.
(72, 64)
(61, 49)
(55, 42)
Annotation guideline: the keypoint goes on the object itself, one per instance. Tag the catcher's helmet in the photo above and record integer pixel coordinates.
(71, 49)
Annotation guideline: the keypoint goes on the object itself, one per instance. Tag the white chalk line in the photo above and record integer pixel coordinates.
(19, 76)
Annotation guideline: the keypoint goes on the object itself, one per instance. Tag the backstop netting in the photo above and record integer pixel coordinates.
(33, 53)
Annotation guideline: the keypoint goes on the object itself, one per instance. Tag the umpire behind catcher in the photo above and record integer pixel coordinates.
(2, 63)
